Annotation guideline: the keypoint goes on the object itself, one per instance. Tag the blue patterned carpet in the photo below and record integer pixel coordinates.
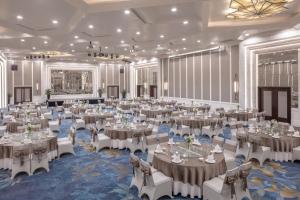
(107, 175)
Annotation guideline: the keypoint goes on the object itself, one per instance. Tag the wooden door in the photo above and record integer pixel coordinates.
(113, 91)
(140, 91)
(22, 94)
(153, 91)
(275, 102)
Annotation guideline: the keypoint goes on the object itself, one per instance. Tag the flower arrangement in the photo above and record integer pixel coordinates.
(29, 128)
(189, 140)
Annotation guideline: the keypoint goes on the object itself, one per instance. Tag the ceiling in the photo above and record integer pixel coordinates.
(207, 26)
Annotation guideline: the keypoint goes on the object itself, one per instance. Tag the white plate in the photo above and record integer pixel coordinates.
(177, 162)
(171, 143)
(210, 161)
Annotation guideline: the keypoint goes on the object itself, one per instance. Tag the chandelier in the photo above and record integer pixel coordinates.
(255, 9)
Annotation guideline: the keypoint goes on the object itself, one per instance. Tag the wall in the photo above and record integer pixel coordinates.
(3, 90)
(204, 76)
(33, 73)
(249, 51)
(144, 73)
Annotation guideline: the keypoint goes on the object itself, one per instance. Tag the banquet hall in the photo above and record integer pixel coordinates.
(149, 99)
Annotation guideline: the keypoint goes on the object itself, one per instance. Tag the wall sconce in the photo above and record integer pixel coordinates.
(166, 86)
(103, 85)
(236, 87)
(145, 85)
(37, 86)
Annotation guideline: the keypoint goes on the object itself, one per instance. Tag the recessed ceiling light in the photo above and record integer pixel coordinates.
(127, 12)
(34, 48)
(162, 36)
(176, 50)
(45, 42)
(73, 50)
(143, 50)
(19, 17)
(138, 33)
(106, 47)
(212, 43)
(183, 39)
(158, 45)
(122, 41)
(247, 34)
(174, 9)
(76, 36)
(22, 40)
(54, 22)
(71, 44)
(119, 30)
(185, 22)
(184, 48)
(198, 41)
(91, 26)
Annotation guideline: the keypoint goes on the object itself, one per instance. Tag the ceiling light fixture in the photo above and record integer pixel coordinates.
(126, 12)
(138, 33)
(185, 22)
(174, 9)
(22, 40)
(54, 22)
(212, 43)
(122, 42)
(198, 41)
(119, 30)
(76, 36)
(19, 17)
(184, 48)
(33, 48)
(247, 34)
(71, 44)
(45, 42)
(162, 36)
(73, 50)
(245, 9)
(183, 39)
(106, 47)
(91, 26)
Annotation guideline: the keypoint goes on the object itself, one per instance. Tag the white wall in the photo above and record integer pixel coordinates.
(3, 81)
(248, 68)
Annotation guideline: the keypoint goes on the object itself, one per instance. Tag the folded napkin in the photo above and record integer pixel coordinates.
(217, 147)
(108, 124)
(171, 140)
(211, 157)
(291, 129)
(158, 148)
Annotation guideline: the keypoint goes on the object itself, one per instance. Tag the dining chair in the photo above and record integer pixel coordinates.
(155, 183)
(137, 177)
(220, 188)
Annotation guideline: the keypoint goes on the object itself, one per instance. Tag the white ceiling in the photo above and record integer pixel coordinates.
(152, 18)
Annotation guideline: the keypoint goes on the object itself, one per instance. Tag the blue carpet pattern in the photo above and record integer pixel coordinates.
(107, 175)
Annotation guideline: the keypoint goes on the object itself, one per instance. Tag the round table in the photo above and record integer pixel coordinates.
(188, 176)
(119, 135)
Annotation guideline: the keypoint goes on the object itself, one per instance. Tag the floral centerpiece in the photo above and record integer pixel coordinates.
(29, 129)
(189, 140)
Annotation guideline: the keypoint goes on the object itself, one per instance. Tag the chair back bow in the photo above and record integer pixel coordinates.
(93, 133)
(146, 169)
(21, 154)
(134, 162)
(244, 172)
(39, 152)
(230, 180)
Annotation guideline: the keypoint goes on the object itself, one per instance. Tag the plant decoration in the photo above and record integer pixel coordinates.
(8, 98)
(189, 140)
(29, 128)
(124, 93)
(48, 92)
(195, 110)
(100, 92)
